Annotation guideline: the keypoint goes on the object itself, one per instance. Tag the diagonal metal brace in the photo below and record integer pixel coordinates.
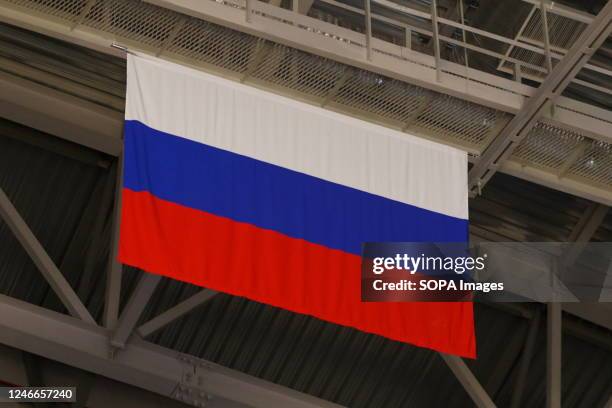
(42, 260)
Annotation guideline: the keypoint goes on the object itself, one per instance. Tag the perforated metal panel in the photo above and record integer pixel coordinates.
(595, 164)
(536, 69)
(562, 31)
(326, 82)
(456, 118)
(68, 10)
(133, 20)
(297, 70)
(548, 146)
(382, 96)
(200, 41)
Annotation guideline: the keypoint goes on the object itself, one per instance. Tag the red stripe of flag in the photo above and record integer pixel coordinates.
(269, 267)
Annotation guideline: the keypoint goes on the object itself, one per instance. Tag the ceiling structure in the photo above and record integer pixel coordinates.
(316, 58)
(64, 192)
(62, 109)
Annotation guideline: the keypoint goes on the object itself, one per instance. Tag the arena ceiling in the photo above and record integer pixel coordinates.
(62, 105)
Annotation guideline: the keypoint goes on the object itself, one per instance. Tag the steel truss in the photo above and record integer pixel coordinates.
(317, 37)
(116, 351)
(185, 378)
(83, 344)
(545, 97)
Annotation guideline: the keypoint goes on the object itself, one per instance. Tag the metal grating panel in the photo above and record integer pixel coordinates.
(382, 96)
(534, 60)
(456, 118)
(66, 10)
(595, 164)
(201, 41)
(133, 20)
(548, 146)
(297, 70)
(563, 31)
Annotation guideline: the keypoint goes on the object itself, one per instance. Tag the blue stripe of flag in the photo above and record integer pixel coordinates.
(272, 197)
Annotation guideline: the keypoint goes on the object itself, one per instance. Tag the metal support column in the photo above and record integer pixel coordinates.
(248, 10)
(113, 277)
(129, 318)
(368, 24)
(436, 39)
(408, 37)
(553, 356)
(544, 14)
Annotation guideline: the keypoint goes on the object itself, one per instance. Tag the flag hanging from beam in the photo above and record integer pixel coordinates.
(257, 195)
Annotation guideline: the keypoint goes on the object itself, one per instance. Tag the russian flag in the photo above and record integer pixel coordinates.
(253, 194)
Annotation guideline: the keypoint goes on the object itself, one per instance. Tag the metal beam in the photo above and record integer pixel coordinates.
(553, 355)
(436, 39)
(525, 362)
(248, 10)
(586, 226)
(599, 313)
(93, 391)
(343, 45)
(131, 314)
(268, 23)
(463, 35)
(550, 179)
(304, 6)
(575, 155)
(346, 46)
(420, 68)
(10, 64)
(468, 381)
(368, 29)
(517, 129)
(448, 24)
(544, 15)
(58, 146)
(114, 268)
(175, 312)
(584, 230)
(42, 260)
(60, 114)
(142, 364)
(561, 10)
